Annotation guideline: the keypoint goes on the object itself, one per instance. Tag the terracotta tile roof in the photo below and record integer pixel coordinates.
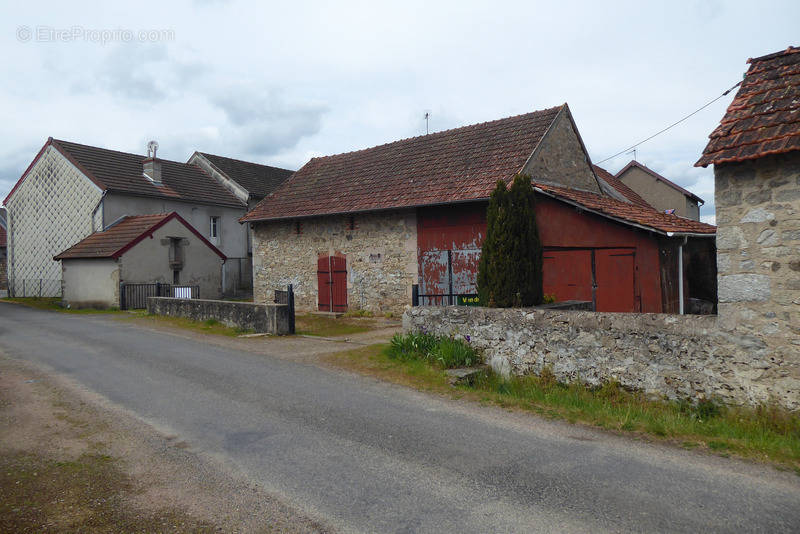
(123, 172)
(764, 118)
(623, 189)
(118, 238)
(631, 213)
(259, 180)
(633, 163)
(444, 167)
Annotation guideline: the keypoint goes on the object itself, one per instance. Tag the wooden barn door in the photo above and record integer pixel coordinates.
(616, 285)
(332, 283)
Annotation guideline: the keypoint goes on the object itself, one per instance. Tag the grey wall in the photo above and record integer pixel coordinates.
(678, 356)
(266, 318)
(233, 236)
(90, 283)
(148, 261)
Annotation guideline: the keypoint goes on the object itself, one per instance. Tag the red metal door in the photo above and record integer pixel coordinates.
(332, 283)
(614, 270)
(567, 274)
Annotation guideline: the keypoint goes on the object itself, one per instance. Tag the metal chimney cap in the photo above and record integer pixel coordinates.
(152, 148)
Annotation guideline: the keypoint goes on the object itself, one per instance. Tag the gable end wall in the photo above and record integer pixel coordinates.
(50, 211)
(560, 160)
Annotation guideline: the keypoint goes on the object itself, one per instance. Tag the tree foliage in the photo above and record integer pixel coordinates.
(510, 269)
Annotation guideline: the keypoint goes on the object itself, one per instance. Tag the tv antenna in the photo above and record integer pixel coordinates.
(427, 118)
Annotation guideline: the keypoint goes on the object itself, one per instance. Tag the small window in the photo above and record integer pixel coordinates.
(214, 230)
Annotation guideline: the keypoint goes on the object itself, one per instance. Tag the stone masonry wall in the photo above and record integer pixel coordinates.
(677, 356)
(758, 258)
(269, 318)
(381, 254)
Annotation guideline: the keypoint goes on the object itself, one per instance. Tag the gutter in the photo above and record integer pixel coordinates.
(689, 234)
(680, 275)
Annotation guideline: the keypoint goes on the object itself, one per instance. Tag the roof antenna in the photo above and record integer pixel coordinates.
(634, 153)
(427, 117)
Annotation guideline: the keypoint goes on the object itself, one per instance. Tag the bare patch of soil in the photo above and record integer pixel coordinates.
(69, 462)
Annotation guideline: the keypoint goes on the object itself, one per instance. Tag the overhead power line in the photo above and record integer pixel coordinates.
(701, 108)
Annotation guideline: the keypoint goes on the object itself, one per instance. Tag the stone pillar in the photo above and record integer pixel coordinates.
(758, 257)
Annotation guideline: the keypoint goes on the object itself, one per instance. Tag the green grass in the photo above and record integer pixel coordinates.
(53, 304)
(320, 325)
(442, 352)
(765, 433)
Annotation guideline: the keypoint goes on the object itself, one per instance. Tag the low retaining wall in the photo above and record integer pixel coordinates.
(263, 318)
(677, 356)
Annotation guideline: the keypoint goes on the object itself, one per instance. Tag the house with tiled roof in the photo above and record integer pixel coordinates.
(659, 192)
(360, 229)
(159, 249)
(755, 152)
(71, 190)
(249, 182)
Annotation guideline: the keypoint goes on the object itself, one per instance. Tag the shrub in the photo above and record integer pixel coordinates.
(510, 268)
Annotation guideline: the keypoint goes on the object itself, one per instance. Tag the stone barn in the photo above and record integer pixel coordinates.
(358, 230)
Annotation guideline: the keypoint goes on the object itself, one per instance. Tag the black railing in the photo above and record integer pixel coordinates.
(134, 296)
(442, 299)
(286, 297)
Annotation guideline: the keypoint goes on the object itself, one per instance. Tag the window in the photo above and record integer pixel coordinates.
(213, 232)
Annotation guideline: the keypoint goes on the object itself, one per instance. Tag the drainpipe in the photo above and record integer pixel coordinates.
(680, 275)
(222, 293)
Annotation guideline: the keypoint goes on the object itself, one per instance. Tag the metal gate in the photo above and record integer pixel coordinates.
(332, 283)
(134, 296)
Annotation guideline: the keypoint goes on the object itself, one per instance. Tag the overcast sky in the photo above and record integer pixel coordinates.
(281, 83)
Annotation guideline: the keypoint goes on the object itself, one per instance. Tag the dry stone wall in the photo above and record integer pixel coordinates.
(380, 249)
(677, 356)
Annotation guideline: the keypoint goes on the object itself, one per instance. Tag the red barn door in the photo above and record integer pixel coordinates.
(615, 280)
(567, 274)
(332, 283)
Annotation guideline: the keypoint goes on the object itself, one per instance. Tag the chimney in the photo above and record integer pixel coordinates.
(152, 165)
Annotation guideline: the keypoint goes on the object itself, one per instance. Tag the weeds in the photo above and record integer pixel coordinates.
(442, 352)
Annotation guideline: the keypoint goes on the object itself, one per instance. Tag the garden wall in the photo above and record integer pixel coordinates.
(264, 318)
(663, 355)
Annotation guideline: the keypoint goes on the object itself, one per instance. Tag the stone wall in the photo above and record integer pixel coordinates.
(380, 249)
(264, 318)
(665, 355)
(758, 258)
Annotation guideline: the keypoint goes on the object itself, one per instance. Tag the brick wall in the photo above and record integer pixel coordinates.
(758, 259)
(380, 250)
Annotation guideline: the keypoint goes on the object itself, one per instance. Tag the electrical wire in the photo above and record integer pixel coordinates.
(701, 108)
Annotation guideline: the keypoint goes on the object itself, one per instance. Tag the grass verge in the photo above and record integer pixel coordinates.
(53, 304)
(320, 325)
(765, 434)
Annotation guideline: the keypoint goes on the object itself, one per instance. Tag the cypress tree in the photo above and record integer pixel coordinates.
(510, 269)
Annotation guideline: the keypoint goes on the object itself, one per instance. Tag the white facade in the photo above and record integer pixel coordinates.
(50, 211)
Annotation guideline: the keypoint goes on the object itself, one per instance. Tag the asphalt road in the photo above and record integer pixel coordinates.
(366, 456)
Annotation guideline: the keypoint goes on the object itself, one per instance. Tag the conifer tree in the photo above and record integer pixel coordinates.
(510, 269)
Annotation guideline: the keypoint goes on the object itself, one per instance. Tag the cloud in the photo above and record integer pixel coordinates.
(141, 72)
(263, 123)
